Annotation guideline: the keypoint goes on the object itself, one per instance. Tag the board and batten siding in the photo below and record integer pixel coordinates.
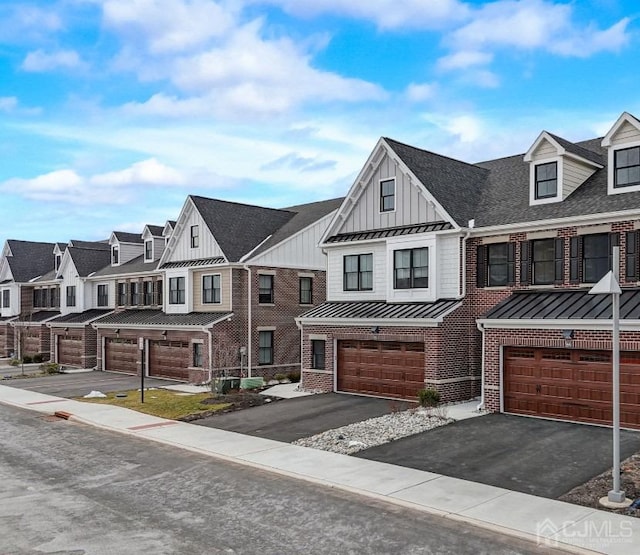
(626, 134)
(574, 174)
(225, 290)
(448, 269)
(335, 268)
(411, 206)
(298, 251)
(182, 250)
(69, 279)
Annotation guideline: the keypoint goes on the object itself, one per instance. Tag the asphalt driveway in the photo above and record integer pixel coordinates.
(76, 385)
(292, 419)
(530, 455)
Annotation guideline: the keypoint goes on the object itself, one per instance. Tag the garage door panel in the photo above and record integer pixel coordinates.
(122, 355)
(570, 384)
(70, 350)
(170, 359)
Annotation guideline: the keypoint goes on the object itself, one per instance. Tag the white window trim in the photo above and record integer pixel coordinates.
(424, 294)
(611, 188)
(395, 195)
(115, 248)
(532, 181)
(152, 250)
(202, 301)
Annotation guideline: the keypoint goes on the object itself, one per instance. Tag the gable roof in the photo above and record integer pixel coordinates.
(96, 245)
(88, 261)
(30, 259)
(577, 150)
(239, 228)
(155, 230)
(134, 266)
(456, 185)
(126, 237)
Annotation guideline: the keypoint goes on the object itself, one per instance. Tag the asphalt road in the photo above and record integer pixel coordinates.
(77, 490)
(76, 385)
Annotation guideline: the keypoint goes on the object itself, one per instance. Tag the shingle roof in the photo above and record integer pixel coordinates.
(38, 317)
(239, 228)
(305, 215)
(190, 263)
(135, 266)
(380, 310)
(95, 245)
(88, 261)
(578, 150)
(145, 317)
(388, 232)
(456, 185)
(564, 305)
(126, 237)
(81, 317)
(30, 259)
(156, 230)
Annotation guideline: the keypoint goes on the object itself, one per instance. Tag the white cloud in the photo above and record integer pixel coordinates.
(21, 23)
(386, 14)
(8, 103)
(419, 92)
(39, 60)
(464, 59)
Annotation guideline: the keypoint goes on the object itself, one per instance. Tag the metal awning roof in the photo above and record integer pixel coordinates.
(191, 263)
(85, 317)
(156, 318)
(389, 232)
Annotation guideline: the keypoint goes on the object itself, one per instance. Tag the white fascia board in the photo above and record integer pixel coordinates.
(569, 221)
(186, 210)
(576, 324)
(152, 273)
(583, 160)
(544, 136)
(625, 117)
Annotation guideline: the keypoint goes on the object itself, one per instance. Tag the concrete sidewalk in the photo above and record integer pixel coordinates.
(571, 527)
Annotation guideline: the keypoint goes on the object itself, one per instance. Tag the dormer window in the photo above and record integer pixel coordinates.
(387, 195)
(627, 167)
(57, 261)
(195, 236)
(148, 250)
(546, 185)
(115, 255)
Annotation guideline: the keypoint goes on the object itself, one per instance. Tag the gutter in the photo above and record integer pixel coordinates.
(481, 404)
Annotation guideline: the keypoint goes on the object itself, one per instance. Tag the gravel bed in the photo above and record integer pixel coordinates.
(375, 431)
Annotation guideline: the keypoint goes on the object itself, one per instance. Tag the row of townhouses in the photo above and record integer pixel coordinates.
(469, 278)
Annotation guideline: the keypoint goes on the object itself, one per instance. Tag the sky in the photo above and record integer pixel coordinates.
(113, 111)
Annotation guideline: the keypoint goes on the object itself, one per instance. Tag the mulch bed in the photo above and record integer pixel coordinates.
(589, 493)
(238, 400)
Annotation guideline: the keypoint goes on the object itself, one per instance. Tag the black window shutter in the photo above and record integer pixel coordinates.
(525, 262)
(575, 259)
(559, 260)
(631, 258)
(614, 241)
(481, 266)
(511, 263)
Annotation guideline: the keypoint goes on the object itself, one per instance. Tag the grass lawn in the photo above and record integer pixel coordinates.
(160, 402)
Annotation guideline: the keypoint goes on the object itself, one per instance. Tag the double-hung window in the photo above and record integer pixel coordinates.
(71, 295)
(546, 180)
(497, 264)
(122, 294)
(387, 195)
(211, 289)
(148, 250)
(306, 290)
(543, 263)
(317, 354)
(265, 292)
(195, 236)
(115, 255)
(6, 298)
(147, 292)
(198, 360)
(627, 167)
(358, 272)
(265, 351)
(176, 290)
(411, 268)
(103, 295)
(136, 293)
(54, 297)
(595, 257)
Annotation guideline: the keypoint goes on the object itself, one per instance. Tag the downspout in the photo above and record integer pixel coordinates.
(249, 319)
(481, 404)
(209, 331)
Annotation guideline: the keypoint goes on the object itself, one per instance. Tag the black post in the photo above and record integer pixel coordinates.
(141, 345)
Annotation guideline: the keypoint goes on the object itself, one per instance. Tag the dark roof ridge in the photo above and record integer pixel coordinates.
(209, 199)
(470, 164)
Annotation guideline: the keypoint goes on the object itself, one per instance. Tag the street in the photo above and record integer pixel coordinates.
(69, 488)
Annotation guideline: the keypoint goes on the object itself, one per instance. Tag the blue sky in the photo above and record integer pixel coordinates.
(112, 111)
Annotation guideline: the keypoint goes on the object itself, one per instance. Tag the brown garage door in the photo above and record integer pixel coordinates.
(121, 355)
(169, 359)
(570, 384)
(381, 368)
(70, 350)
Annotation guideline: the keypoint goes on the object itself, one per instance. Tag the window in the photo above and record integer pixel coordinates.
(411, 268)
(158, 292)
(103, 295)
(54, 297)
(546, 180)
(317, 354)
(198, 361)
(136, 293)
(115, 255)
(122, 294)
(358, 272)
(627, 167)
(543, 261)
(6, 298)
(57, 261)
(148, 249)
(147, 291)
(211, 289)
(306, 290)
(176, 290)
(498, 264)
(39, 298)
(387, 195)
(265, 293)
(265, 352)
(71, 295)
(595, 257)
(195, 236)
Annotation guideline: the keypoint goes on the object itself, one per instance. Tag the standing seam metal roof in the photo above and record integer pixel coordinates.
(374, 310)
